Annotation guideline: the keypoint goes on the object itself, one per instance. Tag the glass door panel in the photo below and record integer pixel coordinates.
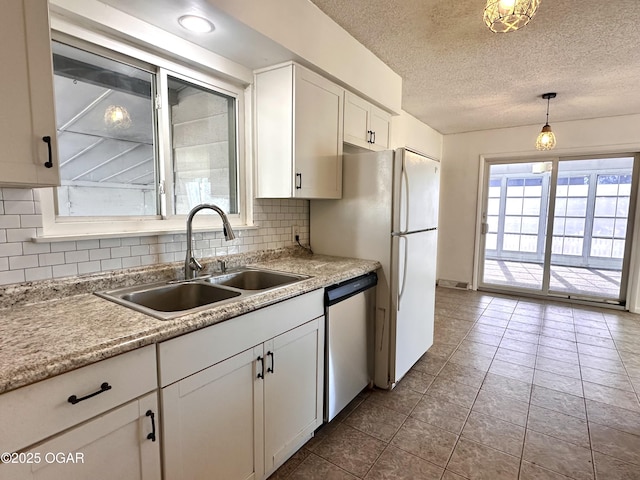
(590, 227)
(514, 225)
(582, 250)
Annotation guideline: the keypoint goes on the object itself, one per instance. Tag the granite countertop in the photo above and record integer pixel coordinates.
(53, 327)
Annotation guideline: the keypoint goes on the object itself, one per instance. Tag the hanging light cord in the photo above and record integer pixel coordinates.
(548, 100)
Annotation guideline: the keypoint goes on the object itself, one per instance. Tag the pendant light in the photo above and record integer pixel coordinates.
(117, 117)
(546, 139)
(502, 16)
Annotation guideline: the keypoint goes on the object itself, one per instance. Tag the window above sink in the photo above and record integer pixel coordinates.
(142, 140)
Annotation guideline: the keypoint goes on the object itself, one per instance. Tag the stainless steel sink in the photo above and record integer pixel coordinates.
(250, 279)
(167, 301)
(175, 298)
(170, 300)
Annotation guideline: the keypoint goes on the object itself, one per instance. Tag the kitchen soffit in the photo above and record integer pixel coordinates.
(457, 75)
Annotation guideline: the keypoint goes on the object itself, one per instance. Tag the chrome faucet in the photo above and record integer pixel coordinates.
(191, 265)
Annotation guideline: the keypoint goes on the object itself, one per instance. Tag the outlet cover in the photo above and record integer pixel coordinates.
(295, 230)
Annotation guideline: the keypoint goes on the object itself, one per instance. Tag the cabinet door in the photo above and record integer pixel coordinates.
(379, 123)
(356, 120)
(113, 445)
(26, 95)
(318, 136)
(293, 392)
(211, 419)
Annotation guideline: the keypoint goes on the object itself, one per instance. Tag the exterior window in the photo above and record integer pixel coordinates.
(139, 142)
(203, 125)
(106, 136)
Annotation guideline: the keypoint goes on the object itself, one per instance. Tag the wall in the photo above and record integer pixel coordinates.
(408, 131)
(460, 173)
(23, 260)
(309, 34)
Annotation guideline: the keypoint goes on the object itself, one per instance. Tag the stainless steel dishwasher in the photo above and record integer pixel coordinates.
(349, 308)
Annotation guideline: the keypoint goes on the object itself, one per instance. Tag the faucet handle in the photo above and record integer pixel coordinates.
(195, 264)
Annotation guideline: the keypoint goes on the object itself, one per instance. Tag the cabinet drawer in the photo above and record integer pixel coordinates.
(35, 412)
(190, 353)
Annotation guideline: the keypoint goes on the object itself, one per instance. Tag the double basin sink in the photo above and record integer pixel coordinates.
(166, 301)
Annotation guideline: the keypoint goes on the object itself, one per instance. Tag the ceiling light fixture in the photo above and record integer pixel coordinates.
(117, 117)
(196, 24)
(546, 139)
(502, 16)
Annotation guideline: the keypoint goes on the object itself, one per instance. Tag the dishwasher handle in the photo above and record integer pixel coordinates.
(347, 289)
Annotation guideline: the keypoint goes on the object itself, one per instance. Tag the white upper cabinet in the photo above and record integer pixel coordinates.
(365, 125)
(26, 96)
(298, 142)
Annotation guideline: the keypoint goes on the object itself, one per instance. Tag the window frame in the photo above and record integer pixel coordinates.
(68, 228)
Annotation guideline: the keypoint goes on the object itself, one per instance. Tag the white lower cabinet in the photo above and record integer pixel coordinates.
(211, 419)
(121, 444)
(89, 423)
(241, 417)
(292, 398)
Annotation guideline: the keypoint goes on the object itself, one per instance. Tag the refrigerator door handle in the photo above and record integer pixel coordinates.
(404, 269)
(405, 179)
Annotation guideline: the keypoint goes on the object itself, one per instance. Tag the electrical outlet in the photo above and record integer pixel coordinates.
(295, 233)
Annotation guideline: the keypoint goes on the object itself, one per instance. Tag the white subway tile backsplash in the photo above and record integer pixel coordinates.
(130, 262)
(77, 256)
(100, 254)
(88, 244)
(27, 221)
(47, 259)
(67, 270)
(10, 221)
(63, 246)
(88, 267)
(23, 260)
(10, 249)
(30, 248)
(140, 250)
(23, 194)
(12, 276)
(111, 264)
(148, 259)
(110, 242)
(17, 207)
(40, 273)
(156, 248)
(20, 234)
(119, 252)
(130, 241)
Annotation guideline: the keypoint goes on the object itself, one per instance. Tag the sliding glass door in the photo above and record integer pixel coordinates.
(559, 228)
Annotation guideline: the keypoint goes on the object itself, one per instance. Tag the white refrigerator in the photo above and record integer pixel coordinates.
(388, 212)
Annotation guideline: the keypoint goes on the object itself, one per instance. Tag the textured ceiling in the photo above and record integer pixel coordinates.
(458, 76)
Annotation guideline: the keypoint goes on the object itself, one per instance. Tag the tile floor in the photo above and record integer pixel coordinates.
(511, 389)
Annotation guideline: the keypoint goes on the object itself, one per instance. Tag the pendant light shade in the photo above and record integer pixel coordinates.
(546, 138)
(503, 16)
